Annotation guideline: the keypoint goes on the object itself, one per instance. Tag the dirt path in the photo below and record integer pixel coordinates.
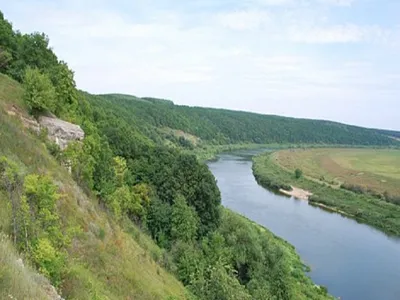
(297, 193)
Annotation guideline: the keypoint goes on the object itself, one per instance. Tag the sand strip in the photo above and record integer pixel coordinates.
(297, 193)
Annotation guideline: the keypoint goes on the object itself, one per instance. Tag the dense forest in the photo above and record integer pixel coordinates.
(219, 126)
(85, 235)
(390, 133)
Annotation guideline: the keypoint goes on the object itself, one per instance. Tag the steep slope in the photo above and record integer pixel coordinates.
(104, 261)
(110, 258)
(221, 126)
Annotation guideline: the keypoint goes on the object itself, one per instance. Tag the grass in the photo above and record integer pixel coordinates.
(362, 207)
(374, 169)
(17, 282)
(105, 259)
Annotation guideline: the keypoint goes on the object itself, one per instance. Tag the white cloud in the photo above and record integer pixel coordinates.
(337, 2)
(243, 20)
(348, 33)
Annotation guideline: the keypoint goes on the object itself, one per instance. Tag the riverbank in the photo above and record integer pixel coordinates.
(207, 152)
(292, 271)
(364, 208)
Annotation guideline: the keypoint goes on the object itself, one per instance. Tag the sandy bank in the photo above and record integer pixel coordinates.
(297, 193)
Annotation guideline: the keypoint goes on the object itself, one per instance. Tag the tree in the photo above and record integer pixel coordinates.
(184, 220)
(65, 89)
(77, 155)
(41, 195)
(39, 92)
(7, 42)
(298, 173)
(5, 59)
(159, 222)
(120, 170)
(32, 50)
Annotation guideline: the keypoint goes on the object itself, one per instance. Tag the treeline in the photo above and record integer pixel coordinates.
(164, 192)
(390, 133)
(49, 82)
(219, 126)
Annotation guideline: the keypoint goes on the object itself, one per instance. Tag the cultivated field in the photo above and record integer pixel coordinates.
(377, 170)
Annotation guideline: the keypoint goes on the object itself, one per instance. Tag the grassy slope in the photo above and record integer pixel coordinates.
(378, 170)
(104, 261)
(366, 209)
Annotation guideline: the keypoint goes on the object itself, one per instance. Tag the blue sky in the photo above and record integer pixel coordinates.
(326, 59)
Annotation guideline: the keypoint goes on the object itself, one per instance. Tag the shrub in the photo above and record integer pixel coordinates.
(49, 260)
(298, 173)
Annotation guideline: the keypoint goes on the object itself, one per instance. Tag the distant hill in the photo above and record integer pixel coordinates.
(390, 133)
(134, 98)
(220, 126)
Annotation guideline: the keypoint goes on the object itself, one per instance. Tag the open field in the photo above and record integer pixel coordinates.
(363, 207)
(373, 169)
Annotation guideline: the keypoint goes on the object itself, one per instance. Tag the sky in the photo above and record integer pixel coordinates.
(326, 59)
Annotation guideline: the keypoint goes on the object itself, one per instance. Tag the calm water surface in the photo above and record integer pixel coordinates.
(353, 260)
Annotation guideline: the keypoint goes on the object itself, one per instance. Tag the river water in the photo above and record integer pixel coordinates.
(354, 261)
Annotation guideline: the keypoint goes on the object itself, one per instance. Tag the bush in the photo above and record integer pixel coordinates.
(298, 173)
(49, 260)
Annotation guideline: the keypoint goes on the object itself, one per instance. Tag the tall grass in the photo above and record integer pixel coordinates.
(17, 281)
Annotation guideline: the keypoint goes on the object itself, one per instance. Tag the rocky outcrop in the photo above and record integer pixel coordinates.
(61, 132)
(27, 122)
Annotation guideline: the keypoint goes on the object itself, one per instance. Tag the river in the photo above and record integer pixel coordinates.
(354, 261)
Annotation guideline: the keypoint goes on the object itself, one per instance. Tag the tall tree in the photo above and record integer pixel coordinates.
(39, 93)
(184, 220)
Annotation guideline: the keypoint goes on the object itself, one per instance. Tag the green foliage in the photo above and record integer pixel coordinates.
(66, 95)
(298, 173)
(39, 92)
(78, 157)
(49, 261)
(219, 126)
(41, 196)
(184, 221)
(5, 59)
(120, 170)
(159, 222)
(36, 225)
(242, 260)
(220, 285)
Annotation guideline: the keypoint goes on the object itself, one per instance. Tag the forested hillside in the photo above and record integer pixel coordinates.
(390, 133)
(219, 126)
(119, 215)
